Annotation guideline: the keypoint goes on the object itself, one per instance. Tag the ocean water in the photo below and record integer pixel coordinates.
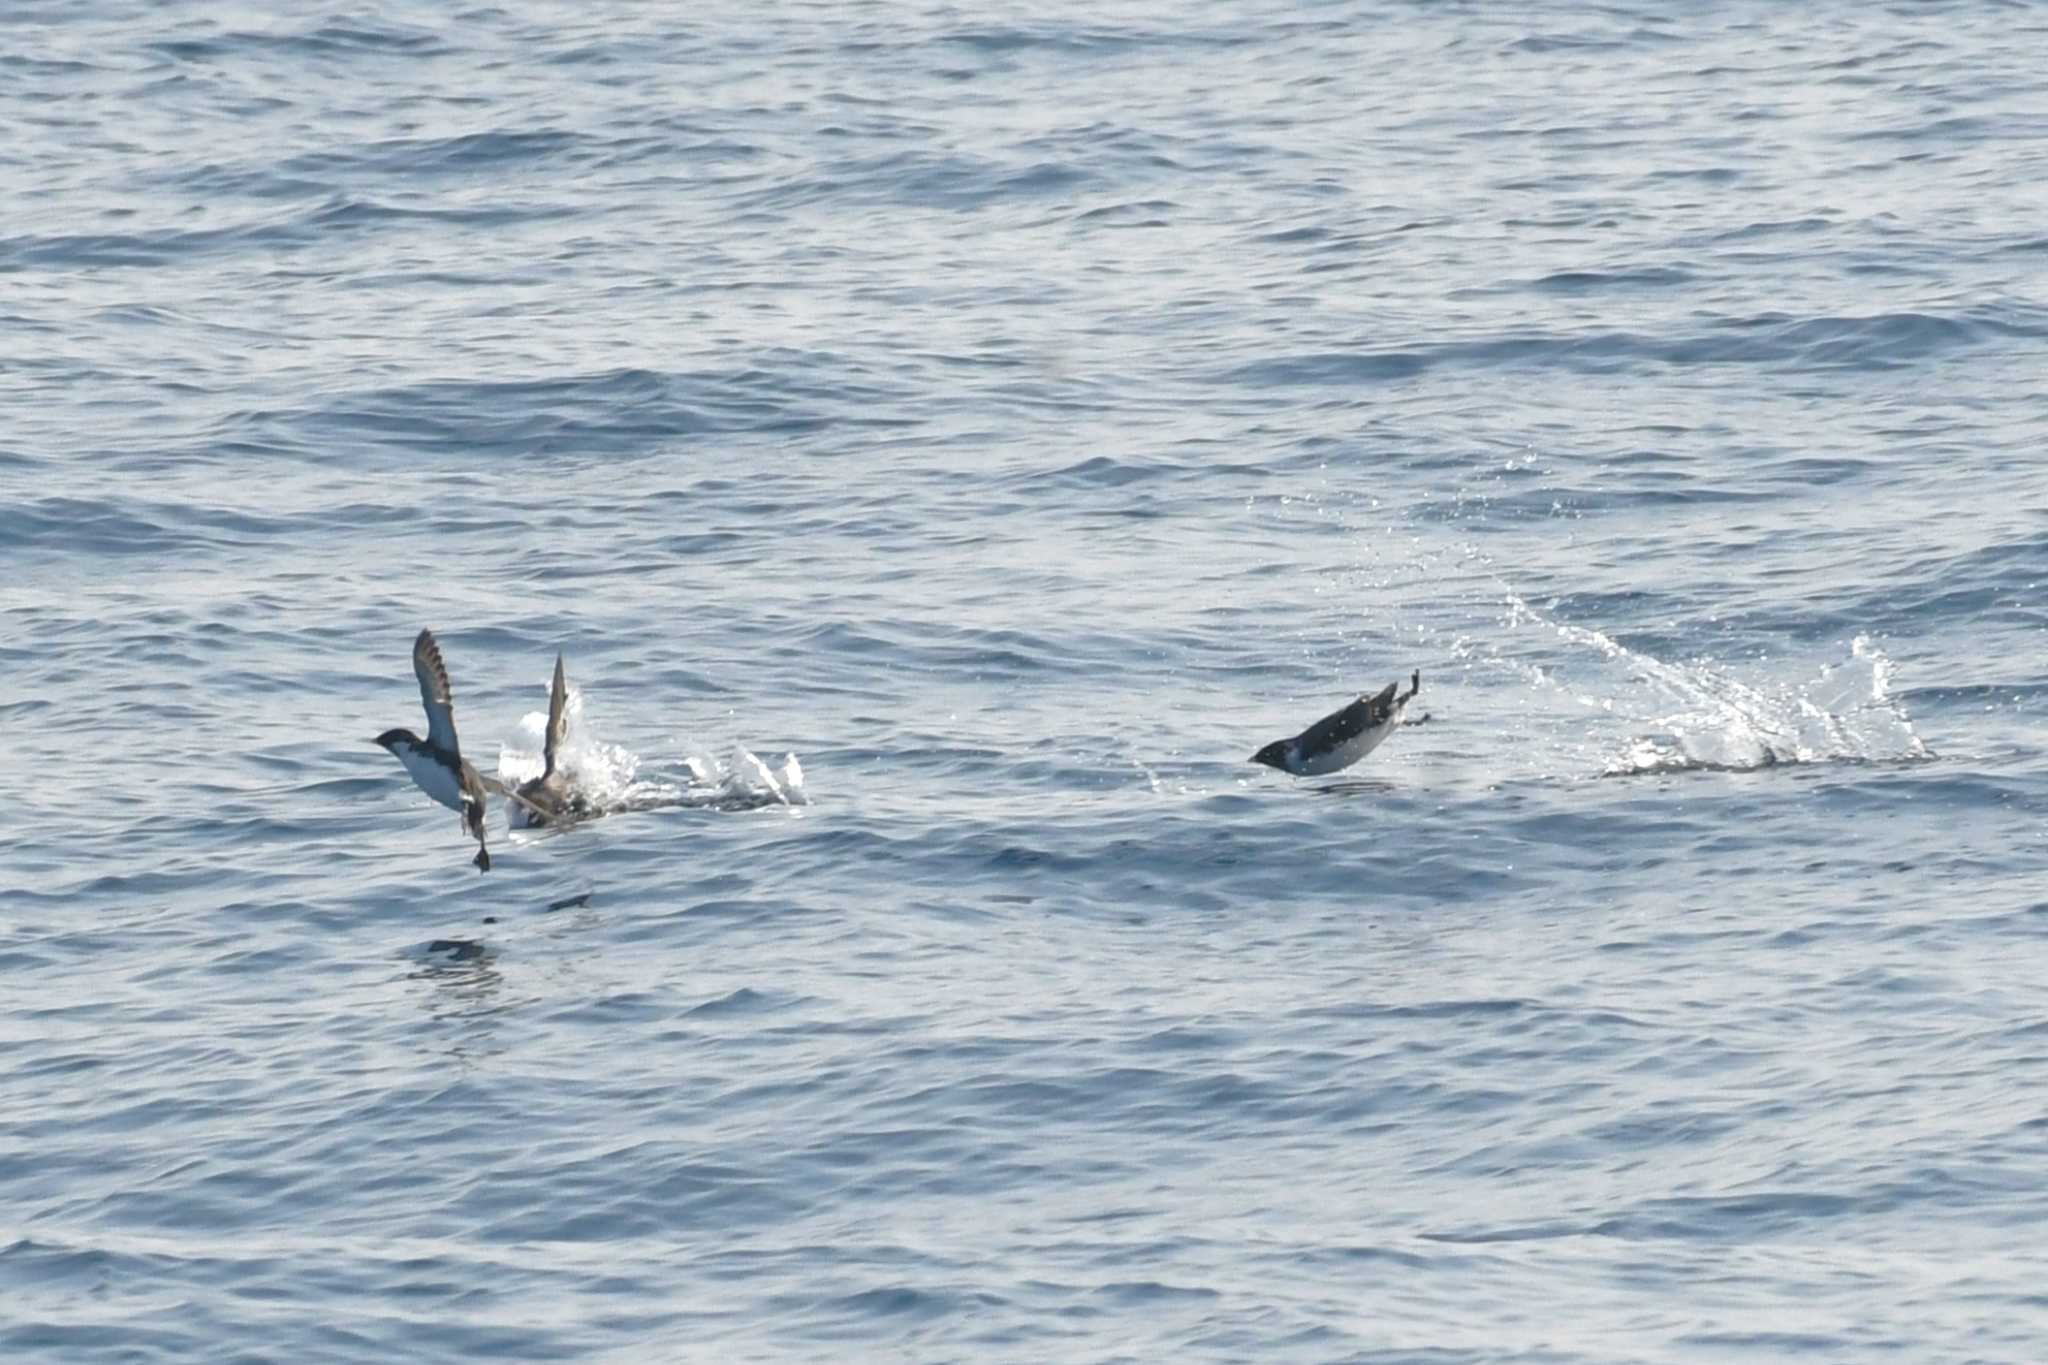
(944, 442)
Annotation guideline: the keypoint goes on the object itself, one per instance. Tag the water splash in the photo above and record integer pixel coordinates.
(1696, 715)
(744, 782)
(604, 775)
(1846, 714)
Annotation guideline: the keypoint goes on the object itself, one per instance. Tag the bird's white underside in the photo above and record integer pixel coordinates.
(432, 777)
(1344, 755)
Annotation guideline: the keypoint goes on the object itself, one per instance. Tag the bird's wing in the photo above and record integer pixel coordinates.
(434, 693)
(558, 719)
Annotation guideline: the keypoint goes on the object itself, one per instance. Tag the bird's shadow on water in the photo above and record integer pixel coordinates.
(464, 975)
(1356, 786)
(468, 964)
(454, 955)
(463, 1000)
(466, 991)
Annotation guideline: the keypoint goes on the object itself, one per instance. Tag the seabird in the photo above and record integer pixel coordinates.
(548, 799)
(436, 762)
(1343, 737)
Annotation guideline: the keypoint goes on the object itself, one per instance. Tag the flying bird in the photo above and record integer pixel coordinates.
(436, 762)
(1343, 737)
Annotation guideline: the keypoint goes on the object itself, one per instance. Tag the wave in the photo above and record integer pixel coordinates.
(1783, 341)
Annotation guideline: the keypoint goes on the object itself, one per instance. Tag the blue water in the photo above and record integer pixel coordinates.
(1020, 416)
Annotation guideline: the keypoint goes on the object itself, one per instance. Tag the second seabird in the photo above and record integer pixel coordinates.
(548, 799)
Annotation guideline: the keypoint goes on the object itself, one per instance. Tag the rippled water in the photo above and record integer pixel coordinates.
(1019, 417)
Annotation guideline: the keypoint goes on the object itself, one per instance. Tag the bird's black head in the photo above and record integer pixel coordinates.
(390, 739)
(1274, 755)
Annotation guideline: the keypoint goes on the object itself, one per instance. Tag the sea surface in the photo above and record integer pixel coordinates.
(944, 442)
